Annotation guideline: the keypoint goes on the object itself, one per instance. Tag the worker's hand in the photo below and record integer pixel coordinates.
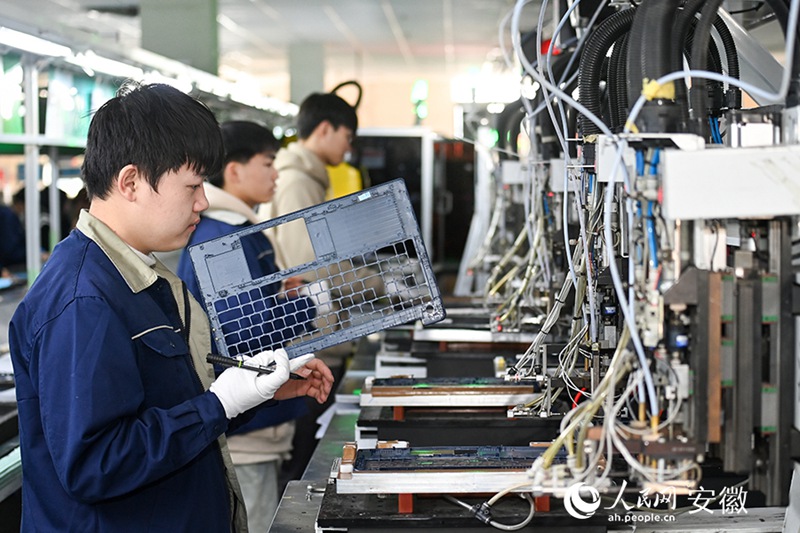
(317, 384)
(239, 390)
(293, 283)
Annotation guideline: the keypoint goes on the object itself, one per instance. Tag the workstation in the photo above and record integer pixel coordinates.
(552, 270)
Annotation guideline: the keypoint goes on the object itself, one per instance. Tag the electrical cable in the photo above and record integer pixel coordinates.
(638, 381)
(591, 313)
(607, 227)
(607, 33)
(747, 87)
(355, 84)
(702, 36)
(525, 522)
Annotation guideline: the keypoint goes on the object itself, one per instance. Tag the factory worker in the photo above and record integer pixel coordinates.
(121, 421)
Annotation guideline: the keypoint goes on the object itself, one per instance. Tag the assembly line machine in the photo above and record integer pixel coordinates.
(621, 348)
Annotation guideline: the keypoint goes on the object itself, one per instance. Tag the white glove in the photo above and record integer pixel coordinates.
(297, 362)
(239, 389)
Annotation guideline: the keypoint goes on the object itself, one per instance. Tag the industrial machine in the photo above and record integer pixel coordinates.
(644, 212)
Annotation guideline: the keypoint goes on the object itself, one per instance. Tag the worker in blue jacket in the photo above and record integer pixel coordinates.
(248, 179)
(121, 421)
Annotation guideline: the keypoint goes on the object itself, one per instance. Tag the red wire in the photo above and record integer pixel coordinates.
(578, 397)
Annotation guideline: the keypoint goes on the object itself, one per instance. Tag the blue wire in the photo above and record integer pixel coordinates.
(650, 222)
(639, 163)
(654, 162)
(651, 234)
(716, 134)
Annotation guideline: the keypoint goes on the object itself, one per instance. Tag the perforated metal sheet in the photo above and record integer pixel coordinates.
(371, 272)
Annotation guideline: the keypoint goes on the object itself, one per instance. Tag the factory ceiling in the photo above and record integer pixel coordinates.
(361, 39)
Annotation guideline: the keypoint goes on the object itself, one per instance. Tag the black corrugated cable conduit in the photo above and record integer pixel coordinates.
(650, 41)
(618, 83)
(732, 58)
(712, 91)
(658, 38)
(681, 32)
(612, 93)
(594, 52)
(684, 28)
(699, 57)
(636, 42)
(649, 58)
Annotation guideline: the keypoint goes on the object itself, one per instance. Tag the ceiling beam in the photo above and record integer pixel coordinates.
(397, 31)
(447, 26)
(343, 28)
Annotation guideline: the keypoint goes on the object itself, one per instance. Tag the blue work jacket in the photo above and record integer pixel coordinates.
(116, 430)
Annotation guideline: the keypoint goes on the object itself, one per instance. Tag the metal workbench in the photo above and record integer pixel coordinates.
(301, 501)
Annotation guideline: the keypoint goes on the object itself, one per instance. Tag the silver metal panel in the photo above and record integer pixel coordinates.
(792, 518)
(448, 400)
(471, 335)
(728, 183)
(480, 218)
(757, 65)
(298, 507)
(430, 482)
(375, 274)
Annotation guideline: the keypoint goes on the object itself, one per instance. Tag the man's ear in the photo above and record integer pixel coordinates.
(129, 181)
(323, 128)
(232, 173)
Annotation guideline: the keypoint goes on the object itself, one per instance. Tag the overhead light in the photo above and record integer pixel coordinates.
(182, 83)
(93, 62)
(208, 83)
(32, 44)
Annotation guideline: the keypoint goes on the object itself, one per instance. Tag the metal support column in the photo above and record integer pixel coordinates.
(738, 449)
(428, 189)
(781, 367)
(33, 243)
(55, 199)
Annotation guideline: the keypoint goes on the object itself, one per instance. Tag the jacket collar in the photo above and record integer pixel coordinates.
(297, 156)
(225, 207)
(131, 264)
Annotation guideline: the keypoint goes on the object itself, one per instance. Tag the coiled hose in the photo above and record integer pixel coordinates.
(590, 68)
(651, 32)
(699, 57)
(617, 83)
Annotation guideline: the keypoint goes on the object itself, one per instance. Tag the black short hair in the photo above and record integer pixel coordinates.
(155, 127)
(319, 107)
(243, 140)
